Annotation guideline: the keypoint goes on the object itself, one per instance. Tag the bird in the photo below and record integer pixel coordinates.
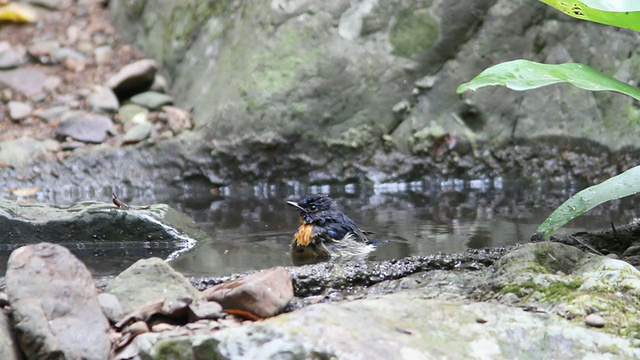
(326, 232)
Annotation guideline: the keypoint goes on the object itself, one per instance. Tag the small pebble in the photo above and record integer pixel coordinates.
(19, 110)
(162, 327)
(138, 327)
(594, 320)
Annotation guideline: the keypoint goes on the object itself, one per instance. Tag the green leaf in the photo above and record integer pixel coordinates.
(622, 13)
(524, 75)
(625, 184)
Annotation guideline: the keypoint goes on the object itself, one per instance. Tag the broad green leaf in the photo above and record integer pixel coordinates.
(622, 13)
(524, 75)
(625, 184)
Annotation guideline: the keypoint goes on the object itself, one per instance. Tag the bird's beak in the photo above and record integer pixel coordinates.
(295, 204)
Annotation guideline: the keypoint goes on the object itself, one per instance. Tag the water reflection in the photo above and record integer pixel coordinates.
(251, 227)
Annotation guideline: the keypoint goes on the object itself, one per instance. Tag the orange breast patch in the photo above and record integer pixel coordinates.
(303, 236)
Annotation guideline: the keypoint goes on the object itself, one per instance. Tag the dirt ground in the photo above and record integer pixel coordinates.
(84, 26)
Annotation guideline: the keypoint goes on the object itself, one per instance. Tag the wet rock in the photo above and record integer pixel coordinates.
(55, 306)
(128, 111)
(632, 250)
(172, 232)
(594, 320)
(86, 127)
(263, 294)
(137, 133)
(152, 100)
(9, 349)
(111, 307)
(11, 57)
(26, 80)
(133, 78)
(150, 279)
(19, 110)
(25, 150)
(104, 101)
(52, 113)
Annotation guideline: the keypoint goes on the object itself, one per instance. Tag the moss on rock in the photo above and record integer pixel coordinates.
(414, 31)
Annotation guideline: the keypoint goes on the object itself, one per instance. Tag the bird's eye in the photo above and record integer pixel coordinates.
(313, 208)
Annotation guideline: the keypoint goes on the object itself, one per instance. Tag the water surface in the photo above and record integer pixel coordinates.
(251, 227)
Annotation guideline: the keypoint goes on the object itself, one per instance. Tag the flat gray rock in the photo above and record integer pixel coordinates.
(26, 80)
(137, 133)
(150, 279)
(86, 127)
(133, 78)
(52, 113)
(152, 100)
(11, 57)
(104, 101)
(55, 305)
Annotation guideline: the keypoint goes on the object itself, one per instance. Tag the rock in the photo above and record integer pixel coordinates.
(55, 306)
(401, 107)
(137, 133)
(11, 57)
(133, 78)
(24, 150)
(19, 110)
(9, 349)
(86, 127)
(152, 100)
(104, 101)
(71, 145)
(52, 113)
(395, 326)
(426, 82)
(64, 53)
(111, 307)
(4, 299)
(128, 111)
(150, 279)
(264, 293)
(138, 327)
(178, 120)
(53, 4)
(26, 80)
(595, 320)
(204, 310)
(51, 83)
(103, 54)
(98, 222)
(352, 21)
(159, 84)
(43, 51)
(631, 251)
